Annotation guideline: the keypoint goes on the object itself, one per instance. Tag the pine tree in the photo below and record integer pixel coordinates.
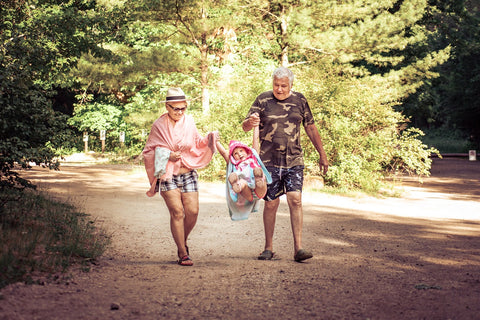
(355, 61)
(38, 46)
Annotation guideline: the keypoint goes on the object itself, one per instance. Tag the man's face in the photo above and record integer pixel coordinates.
(281, 88)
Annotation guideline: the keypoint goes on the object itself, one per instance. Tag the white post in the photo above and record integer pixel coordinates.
(121, 138)
(472, 155)
(102, 138)
(85, 139)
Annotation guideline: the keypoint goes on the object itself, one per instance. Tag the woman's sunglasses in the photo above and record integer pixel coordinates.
(177, 109)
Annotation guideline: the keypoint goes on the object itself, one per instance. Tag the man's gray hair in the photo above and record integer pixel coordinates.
(282, 72)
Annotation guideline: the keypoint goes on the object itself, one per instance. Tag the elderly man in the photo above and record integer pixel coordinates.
(279, 113)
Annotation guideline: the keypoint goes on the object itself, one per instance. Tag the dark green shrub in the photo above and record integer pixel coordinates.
(39, 234)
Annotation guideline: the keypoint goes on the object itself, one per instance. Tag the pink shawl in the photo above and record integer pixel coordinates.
(196, 151)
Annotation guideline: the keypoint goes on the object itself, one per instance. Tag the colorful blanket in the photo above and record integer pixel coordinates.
(240, 208)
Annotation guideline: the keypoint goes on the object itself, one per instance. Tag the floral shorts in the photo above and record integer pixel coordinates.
(284, 180)
(187, 182)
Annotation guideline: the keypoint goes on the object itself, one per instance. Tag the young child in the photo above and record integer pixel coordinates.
(247, 177)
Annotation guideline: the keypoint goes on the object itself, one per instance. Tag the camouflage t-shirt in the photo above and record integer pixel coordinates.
(280, 128)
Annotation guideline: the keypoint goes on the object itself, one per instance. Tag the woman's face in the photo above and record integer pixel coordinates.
(176, 110)
(239, 153)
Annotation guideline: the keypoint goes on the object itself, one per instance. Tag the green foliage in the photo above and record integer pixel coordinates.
(27, 123)
(39, 234)
(409, 154)
(452, 100)
(461, 103)
(92, 117)
(102, 114)
(39, 44)
(355, 61)
(130, 69)
(360, 130)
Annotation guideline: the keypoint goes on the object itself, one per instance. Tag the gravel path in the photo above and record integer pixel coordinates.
(412, 257)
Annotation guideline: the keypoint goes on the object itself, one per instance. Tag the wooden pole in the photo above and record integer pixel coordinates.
(85, 140)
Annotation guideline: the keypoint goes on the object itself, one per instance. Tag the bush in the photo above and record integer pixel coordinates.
(363, 136)
(39, 234)
(410, 155)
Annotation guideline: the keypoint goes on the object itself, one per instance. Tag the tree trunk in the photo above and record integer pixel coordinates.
(204, 65)
(284, 38)
(204, 75)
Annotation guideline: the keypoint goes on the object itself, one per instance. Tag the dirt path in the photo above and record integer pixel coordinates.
(414, 257)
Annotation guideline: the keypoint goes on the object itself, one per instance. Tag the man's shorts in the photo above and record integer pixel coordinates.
(284, 180)
(187, 182)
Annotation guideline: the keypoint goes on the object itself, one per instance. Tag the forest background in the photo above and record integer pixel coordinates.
(389, 82)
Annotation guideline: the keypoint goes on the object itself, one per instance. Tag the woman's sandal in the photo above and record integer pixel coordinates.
(185, 261)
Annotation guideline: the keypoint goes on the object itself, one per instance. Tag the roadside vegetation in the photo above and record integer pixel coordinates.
(40, 235)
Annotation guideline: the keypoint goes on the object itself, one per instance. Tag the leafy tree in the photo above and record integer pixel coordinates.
(363, 138)
(139, 53)
(206, 26)
(38, 45)
(158, 44)
(101, 114)
(279, 19)
(356, 61)
(451, 101)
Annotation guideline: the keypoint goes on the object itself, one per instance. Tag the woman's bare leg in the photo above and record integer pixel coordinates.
(190, 207)
(173, 200)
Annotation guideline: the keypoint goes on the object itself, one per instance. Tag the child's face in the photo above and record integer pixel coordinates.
(239, 153)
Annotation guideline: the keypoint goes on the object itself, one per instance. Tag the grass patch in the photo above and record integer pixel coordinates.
(38, 234)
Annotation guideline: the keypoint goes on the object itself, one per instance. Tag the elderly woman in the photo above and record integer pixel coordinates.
(173, 151)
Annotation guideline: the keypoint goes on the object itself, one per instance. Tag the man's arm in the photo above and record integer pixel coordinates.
(312, 133)
(250, 122)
